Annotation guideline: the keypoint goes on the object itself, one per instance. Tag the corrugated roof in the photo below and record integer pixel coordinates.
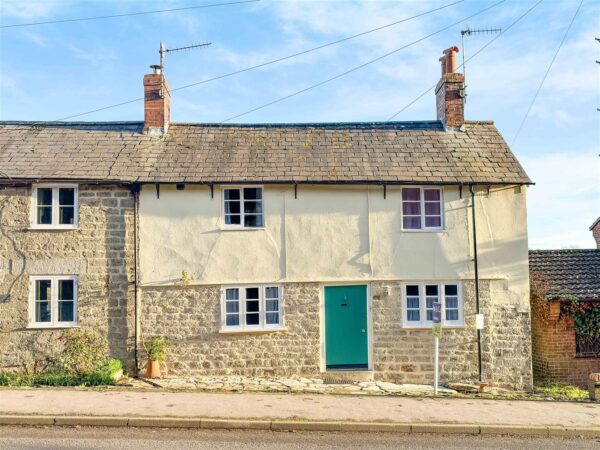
(392, 152)
(568, 272)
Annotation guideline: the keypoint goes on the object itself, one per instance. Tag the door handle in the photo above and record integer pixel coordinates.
(363, 330)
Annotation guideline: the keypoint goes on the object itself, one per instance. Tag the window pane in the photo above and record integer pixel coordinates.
(232, 294)
(451, 289)
(272, 305)
(66, 312)
(232, 307)
(272, 292)
(411, 223)
(452, 314)
(252, 306)
(233, 220)
(65, 290)
(431, 194)
(412, 302)
(253, 221)
(232, 207)
(44, 196)
(272, 318)
(232, 321)
(429, 301)
(252, 193)
(252, 293)
(413, 316)
(413, 289)
(411, 194)
(411, 208)
(253, 207)
(431, 289)
(44, 216)
(252, 319)
(42, 311)
(451, 302)
(66, 196)
(433, 221)
(429, 314)
(42, 289)
(432, 209)
(232, 194)
(66, 215)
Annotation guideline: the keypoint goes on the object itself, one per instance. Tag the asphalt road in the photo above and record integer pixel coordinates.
(54, 438)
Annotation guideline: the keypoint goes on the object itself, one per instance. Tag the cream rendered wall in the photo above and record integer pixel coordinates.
(333, 233)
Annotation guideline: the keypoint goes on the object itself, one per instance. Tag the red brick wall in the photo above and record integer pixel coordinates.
(553, 346)
(157, 102)
(449, 102)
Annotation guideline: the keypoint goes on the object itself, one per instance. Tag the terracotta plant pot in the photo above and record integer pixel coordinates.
(153, 369)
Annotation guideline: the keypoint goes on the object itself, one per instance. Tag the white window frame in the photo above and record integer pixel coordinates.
(55, 207)
(422, 190)
(262, 325)
(423, 322)
(241, 188)
(54, 323)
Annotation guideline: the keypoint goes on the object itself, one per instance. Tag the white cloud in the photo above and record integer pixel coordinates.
(565, 200)
(29, 10)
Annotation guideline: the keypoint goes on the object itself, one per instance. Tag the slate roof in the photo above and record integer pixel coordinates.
(387, 152)
(569, 272)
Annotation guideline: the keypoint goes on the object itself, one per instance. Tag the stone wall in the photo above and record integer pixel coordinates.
(190, 318)
(406, 355)
(553, 340)
(100, 252)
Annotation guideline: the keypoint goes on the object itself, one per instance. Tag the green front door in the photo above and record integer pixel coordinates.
(346, 336)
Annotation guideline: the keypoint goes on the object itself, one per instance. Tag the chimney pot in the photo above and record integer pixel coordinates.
(449, 92)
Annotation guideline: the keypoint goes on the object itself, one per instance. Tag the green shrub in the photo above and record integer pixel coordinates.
(157, 348)
(561, 390)
(84, 352)
(98, 378)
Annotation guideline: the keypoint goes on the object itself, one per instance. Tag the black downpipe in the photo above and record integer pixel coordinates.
(476, 282)
(135, 189)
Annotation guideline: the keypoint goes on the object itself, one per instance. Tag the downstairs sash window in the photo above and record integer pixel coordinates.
(418, 300)
(251, 308)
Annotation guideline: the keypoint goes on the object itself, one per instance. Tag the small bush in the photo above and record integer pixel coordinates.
(561, 390)
(84, 352)
(157, 348)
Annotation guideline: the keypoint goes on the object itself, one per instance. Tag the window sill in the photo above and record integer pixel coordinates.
(429, 327)
(440, 230)
(257, 331)
(52, 228)
(241, 228)
(50, 327)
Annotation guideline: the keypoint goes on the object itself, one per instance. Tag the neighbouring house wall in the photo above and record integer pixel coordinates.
(332, 233)
(100, 253)
(553, 343)
(190, 318)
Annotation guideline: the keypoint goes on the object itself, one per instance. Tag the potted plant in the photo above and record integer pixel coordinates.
(157, 350)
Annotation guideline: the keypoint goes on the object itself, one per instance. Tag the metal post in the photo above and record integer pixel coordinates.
(436, 370)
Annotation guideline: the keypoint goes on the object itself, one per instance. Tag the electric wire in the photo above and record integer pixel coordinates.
(490, 42)
(112, 16)
(546, 74)
(360, 66)
(266, 63)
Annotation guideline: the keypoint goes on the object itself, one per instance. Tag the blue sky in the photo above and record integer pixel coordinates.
(52, 71)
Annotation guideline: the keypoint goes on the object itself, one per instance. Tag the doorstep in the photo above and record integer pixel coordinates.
(341, 376)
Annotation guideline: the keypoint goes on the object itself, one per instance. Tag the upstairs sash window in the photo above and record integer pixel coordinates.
(422, 208)
(55, 206)
(243, 207)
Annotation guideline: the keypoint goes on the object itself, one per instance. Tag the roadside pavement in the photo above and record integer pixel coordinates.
(135, 408)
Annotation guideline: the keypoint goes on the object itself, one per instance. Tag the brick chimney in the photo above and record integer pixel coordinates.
(449, 92)
(595, 229)
(157, 102)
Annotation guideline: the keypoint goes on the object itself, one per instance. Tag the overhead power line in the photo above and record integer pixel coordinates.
(257, 66)
(113, 16)
(490, 42)
(360, 66)
(547, 72)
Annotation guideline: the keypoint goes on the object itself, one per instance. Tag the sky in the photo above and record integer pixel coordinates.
(52, 71)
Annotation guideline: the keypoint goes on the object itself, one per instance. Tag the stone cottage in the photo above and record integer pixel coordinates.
(271, 249)
(566, 283)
